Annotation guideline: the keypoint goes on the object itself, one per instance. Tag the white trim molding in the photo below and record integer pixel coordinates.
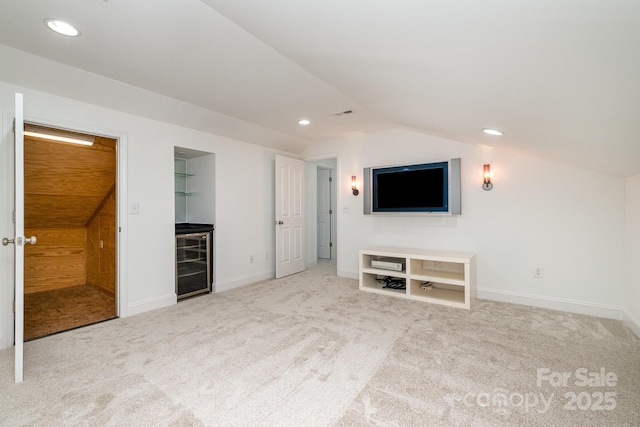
(571, 306)
(151, 304)
(243, 281)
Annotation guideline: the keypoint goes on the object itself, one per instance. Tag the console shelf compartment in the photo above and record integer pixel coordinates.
(440, 277)
(436, 292)
(371, 283)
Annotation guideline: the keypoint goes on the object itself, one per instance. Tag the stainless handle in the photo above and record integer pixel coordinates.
(6, 241)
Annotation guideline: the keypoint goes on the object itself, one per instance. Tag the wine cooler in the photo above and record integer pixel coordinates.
(193, 263)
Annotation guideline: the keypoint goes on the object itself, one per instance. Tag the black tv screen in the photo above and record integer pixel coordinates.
(412, 188)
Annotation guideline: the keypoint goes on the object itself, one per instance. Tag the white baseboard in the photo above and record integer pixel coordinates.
(349, 274)
(151, 304)
(243, 281)
(632, 322)
(571, 306)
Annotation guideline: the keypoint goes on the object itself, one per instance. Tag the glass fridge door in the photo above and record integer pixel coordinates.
(193, 275)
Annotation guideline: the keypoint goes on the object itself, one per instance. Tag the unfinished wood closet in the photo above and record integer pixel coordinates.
(70, 206)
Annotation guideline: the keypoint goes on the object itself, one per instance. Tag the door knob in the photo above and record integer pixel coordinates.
(32, 240)
(279, 222)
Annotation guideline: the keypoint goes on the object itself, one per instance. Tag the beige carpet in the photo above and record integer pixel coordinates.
(313, 350)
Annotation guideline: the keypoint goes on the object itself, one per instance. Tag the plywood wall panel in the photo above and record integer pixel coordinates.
(108, 252)
(65, 186)
(101, 261)
(56, 261)
(65, 183)
(66, 211)
(93, 252)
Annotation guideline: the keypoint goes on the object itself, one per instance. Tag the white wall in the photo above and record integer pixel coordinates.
(633, 251)
(569, 221)
(243, 200)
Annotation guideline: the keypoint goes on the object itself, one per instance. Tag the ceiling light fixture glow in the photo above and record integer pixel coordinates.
(62, 27)
(492, 132)
(53, 135)
(303, 122)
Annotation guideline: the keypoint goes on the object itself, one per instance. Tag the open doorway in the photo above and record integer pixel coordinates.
(325, 213)
(70, 206)
(321, 204)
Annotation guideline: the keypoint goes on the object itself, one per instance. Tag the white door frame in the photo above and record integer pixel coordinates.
(326, 201)
(6, 213)
(338, 187)
(121, 212)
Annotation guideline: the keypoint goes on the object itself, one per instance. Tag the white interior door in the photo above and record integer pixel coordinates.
(18, 239)
(324, 213)
(289, 203)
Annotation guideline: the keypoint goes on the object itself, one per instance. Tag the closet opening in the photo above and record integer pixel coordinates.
(70, 194)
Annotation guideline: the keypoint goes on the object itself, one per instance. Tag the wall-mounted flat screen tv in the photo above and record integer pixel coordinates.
(418, 188)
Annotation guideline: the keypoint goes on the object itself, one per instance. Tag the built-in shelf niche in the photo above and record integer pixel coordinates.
(194, 186)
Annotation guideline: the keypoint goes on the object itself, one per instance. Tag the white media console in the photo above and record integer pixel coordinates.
(439, 277)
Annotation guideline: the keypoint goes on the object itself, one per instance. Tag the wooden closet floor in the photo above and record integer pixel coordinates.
(49, 312)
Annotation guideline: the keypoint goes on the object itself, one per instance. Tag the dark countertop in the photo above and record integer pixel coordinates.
(189, 227)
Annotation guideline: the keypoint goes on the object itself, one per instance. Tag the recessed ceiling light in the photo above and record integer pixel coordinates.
(492, 132)
(304, 122)
(62, 27)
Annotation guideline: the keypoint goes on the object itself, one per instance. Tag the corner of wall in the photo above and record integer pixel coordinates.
(632, 322)
(632, 253)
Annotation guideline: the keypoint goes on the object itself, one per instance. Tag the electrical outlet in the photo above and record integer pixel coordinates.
(251, 259)
(346, 209)
(538, 272)
(437, 264)
(266, 256)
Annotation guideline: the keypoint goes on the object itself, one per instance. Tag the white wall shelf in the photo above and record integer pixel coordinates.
(440, 277)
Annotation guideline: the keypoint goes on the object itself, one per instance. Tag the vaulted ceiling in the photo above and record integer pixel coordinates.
(560, 78)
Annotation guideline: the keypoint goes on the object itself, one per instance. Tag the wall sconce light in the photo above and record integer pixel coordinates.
(487, 185)
(354, 185)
